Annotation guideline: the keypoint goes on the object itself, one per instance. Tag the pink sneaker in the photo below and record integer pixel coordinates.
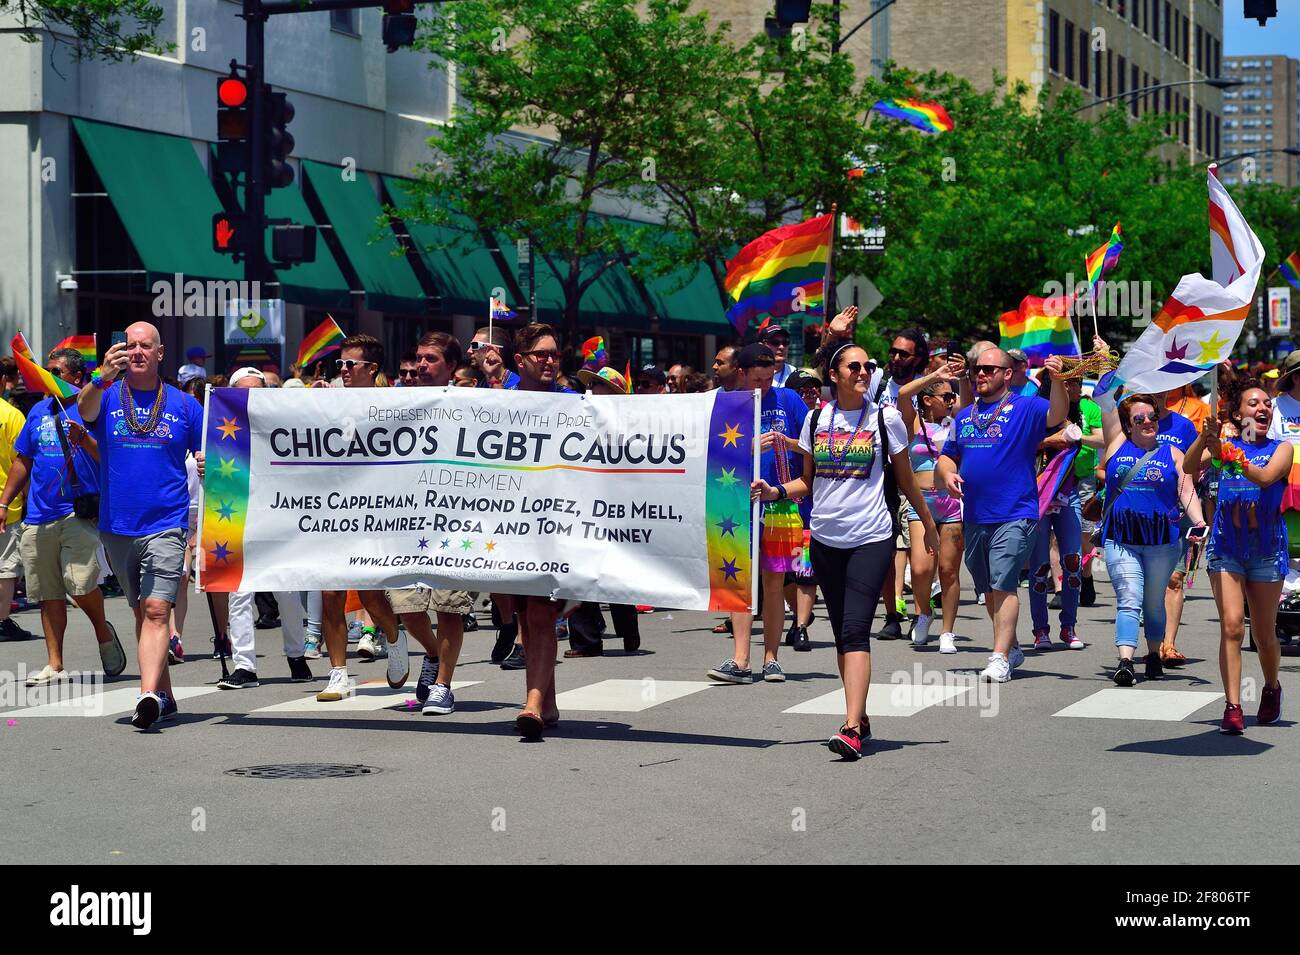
(1043, 638)
(848, 742)
(1071, 639)
(1234, 724)
(1270, 705)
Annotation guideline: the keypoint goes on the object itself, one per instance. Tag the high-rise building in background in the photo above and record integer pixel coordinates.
(1262, 115)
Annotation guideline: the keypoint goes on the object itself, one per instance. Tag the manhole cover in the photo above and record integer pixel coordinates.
(304, 771)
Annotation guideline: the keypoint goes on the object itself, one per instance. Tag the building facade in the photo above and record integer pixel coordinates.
(1262, 115)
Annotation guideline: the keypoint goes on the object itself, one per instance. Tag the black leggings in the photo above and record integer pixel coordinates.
(851, 580)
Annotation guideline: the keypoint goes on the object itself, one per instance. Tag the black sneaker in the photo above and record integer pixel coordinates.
(299, 671)
(505, 642)
(147, 710)
(1155, 669)
(267, 622)
(11, 631)
(1055, 602)
(1124, 675)
(892, 630)
(792, 634)
(515, 661)
(801, 644)
(221, 647)
(241, 679)
(471, 622)
(1087, 593)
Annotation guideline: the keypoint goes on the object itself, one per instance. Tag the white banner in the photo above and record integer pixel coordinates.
(639, 499)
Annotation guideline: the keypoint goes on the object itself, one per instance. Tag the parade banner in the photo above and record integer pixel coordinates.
(640, 499)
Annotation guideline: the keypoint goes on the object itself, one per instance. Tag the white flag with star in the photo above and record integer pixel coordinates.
(1199, 325)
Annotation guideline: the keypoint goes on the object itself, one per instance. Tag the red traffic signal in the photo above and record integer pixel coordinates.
(232, 91)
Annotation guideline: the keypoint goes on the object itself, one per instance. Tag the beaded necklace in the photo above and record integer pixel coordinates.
(983, 425)
(128, 407)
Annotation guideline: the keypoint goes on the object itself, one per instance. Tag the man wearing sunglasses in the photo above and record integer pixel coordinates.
(778, 339)
(651, 380)
(407, 373)
(537, 355)
(989, 463)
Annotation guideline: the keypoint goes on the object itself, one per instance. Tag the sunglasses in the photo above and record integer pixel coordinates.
(478, 346)
(856, 367)
(407, 373)
(543, 355)
(778, 342)
(347, 364)
(899, 353)
(1144, 419)
(946, 396)
(990, 370)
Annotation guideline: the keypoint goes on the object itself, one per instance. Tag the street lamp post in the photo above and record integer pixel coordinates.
(1289, 150)
(839, 41)
(1218, 84)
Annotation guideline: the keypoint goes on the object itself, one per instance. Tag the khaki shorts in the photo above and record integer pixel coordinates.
(422, 599)
(61, 557)
(11, 559)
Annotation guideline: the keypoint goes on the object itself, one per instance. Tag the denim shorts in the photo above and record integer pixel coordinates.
(1257, 570)
(996, 552)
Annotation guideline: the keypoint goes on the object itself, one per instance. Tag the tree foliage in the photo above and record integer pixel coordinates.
(102, 29)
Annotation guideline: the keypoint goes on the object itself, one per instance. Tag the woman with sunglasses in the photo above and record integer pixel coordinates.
(1248, 546)
(1139, 526)
(852, 527)
(929, 422)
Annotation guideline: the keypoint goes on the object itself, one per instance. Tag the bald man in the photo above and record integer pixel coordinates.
(988, 463)
(145, 430)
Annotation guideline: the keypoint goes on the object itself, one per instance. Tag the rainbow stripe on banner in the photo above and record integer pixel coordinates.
(726, 500)
(225, 483)
(927, 117)
(1040, 328)
(85, 345)
(1290, 269)
(781, 272)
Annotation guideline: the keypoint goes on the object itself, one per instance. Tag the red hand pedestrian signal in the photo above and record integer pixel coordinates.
(223, 233)
(228, 233)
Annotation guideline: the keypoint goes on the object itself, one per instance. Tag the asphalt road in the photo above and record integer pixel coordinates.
(662, 767)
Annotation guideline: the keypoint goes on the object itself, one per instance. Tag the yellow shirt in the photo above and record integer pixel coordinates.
(11, 424)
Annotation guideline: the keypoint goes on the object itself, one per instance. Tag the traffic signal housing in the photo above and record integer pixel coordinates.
(399, 24)
(234, 122)
(277, 113)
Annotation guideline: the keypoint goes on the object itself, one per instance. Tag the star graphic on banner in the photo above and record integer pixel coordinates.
(225, 511)
(728, 477)
(1177, 352)
(446, 542)
(424, 542)
(730, 569)
(228, 428)
(227, 467)
(222, 553)
(1212, 350)
(730, 435)
(490, 545)
(728, 526)
(466, 544)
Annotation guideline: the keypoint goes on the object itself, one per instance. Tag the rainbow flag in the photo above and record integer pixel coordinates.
(85, 344)
(1103, 260)
(781, 272)
(1290, 269)
(1041, 327)
(35, 377)
(499, 311)
(927, 117)
(324, 338)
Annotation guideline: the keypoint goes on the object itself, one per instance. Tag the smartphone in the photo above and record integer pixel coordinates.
(1197, 535)
(118, 338)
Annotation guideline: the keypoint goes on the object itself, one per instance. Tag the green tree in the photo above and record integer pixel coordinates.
(102, 29)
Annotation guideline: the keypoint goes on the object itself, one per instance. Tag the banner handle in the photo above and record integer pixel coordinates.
(198, 530)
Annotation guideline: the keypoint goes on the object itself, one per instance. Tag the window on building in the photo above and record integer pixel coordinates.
(1054, 41)
(1155, 21)
(1169, 19)
(1216, 63)
(1096, 73)
(1133, 106)
(1187, 40)
(1069, 50)
(1120, 76)
(344, 21)
(1217, 131)
(1133, 11)
(1200, 48)
(1083, 58)
(1110, 73)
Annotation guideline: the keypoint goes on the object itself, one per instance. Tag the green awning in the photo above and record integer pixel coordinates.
(163, 197)
(691, 308)
(464, 272)
(350, 204)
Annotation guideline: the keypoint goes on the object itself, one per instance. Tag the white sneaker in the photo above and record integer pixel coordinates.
(47, 675)
(1016, 658)
(997, 671)
(979, 600)
(372, 646)
(399, 660)
(340, 686)
(948, 642)
(921, 630)
(311, 648)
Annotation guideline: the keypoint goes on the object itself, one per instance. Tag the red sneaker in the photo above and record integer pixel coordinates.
(1233, 723)
(847, 743)
(1270, 706)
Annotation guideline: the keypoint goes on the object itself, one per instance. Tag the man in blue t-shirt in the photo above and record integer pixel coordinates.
(60, 549)
(781, 414)
(145, 429)
(988, 462)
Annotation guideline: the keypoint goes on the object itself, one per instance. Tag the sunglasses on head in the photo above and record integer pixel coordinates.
(347, 364)
(990, 370)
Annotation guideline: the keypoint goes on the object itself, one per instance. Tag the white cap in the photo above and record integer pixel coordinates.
(294, 383)
(241, 373)
(186, 372)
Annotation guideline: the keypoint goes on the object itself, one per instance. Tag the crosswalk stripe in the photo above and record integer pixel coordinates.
(884, 699)
(1115, 703)
(371, 695)
(627, 696)
(110, 703)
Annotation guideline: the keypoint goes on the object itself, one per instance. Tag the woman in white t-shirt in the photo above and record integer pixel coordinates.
(852, 521)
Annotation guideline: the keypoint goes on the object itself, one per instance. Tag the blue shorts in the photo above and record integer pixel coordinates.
(1256, 570)
(995, 553)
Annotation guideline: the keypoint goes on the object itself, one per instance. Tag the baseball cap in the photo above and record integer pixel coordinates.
(198, 351)
(294, 383)
(1015, 354)
(803, 378)
(654, 372)
(773, 331)
(749, 356)
(241, 373)
(189, 372)
(1289, 367)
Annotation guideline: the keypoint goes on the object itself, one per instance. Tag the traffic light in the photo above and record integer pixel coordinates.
(234, 122)
(228, 232)
(1260, 10)
(788, 13)
(399, 24)
(292, 243)
(277, 113)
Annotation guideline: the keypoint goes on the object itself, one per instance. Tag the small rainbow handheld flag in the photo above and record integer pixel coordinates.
(927, 117)
(1102, 260)
(85, 344)
(324, 338)
(1040, 328)
(780, 271)
(500, 311)
(1290, 269)
(35, 377)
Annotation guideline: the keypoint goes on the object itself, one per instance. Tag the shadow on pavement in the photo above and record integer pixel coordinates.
(1212, 743)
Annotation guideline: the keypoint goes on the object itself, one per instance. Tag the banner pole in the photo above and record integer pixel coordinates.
(756, 508)
(198, 551)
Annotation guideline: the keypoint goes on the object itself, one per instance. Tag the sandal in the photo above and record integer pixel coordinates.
(1170, 656)
(724, 627)
(529, 725)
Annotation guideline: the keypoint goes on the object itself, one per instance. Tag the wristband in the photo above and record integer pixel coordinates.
(781, 493)
(98, 381)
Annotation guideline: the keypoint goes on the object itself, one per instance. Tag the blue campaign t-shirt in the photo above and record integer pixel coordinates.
(555, 386)
(995, 449)
(782, 411)
(1176, 430)
(50, 492)
(510, 384)
(142, 486)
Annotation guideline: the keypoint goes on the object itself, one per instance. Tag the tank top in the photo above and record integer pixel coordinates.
(927, 445)
(1147, 512)
(1248, 520)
